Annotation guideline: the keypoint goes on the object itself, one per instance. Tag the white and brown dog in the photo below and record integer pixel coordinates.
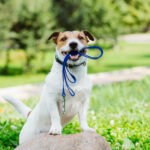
(48, 114)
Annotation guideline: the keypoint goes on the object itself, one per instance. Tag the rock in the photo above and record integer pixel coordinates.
(79, 141)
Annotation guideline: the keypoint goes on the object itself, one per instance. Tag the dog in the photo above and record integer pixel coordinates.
(48, 115)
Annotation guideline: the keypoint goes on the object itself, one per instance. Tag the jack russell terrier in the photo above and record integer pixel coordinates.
(48, 115)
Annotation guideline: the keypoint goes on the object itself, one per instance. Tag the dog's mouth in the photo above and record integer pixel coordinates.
(74, 56)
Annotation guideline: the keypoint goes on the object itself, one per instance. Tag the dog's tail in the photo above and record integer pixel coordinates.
(18, 105)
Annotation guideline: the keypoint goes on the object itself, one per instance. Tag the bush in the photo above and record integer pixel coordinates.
(106, 19)
(27, 24)
(28, 27)
(134, 15)
(90, 15)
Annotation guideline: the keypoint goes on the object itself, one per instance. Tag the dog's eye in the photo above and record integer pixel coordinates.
(80, 37)
(63, 39)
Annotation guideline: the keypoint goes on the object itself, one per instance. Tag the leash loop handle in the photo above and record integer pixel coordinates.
(65, 70)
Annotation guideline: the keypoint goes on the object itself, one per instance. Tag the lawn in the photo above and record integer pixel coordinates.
(129, 55)
(6, 81)
(119, 112)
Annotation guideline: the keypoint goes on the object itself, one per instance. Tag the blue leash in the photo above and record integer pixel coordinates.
(73, 80)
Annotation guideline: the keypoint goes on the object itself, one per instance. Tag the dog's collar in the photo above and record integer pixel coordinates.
(69, 65)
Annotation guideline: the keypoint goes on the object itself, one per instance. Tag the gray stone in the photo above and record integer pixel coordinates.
(79, 141)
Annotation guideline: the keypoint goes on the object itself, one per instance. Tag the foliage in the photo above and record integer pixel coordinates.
(90, 15)
(105, 19)
(27, 24)
(134, 15)
(119, 112)
(30, 22)
(9, 133)
(28, 27)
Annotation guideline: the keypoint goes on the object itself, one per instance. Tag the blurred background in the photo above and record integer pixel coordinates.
(25, 25)
(120, 112)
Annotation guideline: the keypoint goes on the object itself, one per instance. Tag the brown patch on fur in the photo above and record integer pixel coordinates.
(69, 35)
(88, 34)
(61, 43)
(29, 114)
(54, 36)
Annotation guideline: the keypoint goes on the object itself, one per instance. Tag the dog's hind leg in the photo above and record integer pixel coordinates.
(18, 105)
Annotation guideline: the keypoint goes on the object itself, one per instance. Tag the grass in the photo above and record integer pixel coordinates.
(6, 81)
(119, 112)
(129, 55)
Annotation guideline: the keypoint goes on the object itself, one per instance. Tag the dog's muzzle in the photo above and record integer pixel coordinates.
(74, 54)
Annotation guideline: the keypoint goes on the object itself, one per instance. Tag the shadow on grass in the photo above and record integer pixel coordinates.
(146, 56)
(7, 71)
(11, 70)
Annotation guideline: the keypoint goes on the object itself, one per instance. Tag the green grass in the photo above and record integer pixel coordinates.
(6, 81)
(119, 112)
(129, 55)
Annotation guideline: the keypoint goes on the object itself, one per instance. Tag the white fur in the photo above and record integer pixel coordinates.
(18, 105)
(47, 115)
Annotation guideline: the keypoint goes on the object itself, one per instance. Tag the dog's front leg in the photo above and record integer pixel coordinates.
(56, 127)
(83, 117)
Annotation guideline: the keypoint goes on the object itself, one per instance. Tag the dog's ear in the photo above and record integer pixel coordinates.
(54, 36)
(88, 34)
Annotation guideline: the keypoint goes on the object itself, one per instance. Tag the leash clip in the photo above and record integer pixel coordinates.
(64, 102)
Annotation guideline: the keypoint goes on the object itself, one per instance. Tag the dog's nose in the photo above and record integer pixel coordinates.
(73, 45)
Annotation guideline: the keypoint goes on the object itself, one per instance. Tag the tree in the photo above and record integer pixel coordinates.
(96, 16)
(26, 24)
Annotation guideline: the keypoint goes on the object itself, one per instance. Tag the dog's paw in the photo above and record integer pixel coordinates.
(55, 130)
(88, 129)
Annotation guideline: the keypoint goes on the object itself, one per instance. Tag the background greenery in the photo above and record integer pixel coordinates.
(124, 121)
(26, 56)
(129, 55)
(26, 25)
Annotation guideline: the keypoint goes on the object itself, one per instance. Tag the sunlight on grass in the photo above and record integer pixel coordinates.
(6, 81)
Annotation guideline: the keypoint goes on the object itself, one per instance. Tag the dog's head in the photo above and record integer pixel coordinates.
(71, 41)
